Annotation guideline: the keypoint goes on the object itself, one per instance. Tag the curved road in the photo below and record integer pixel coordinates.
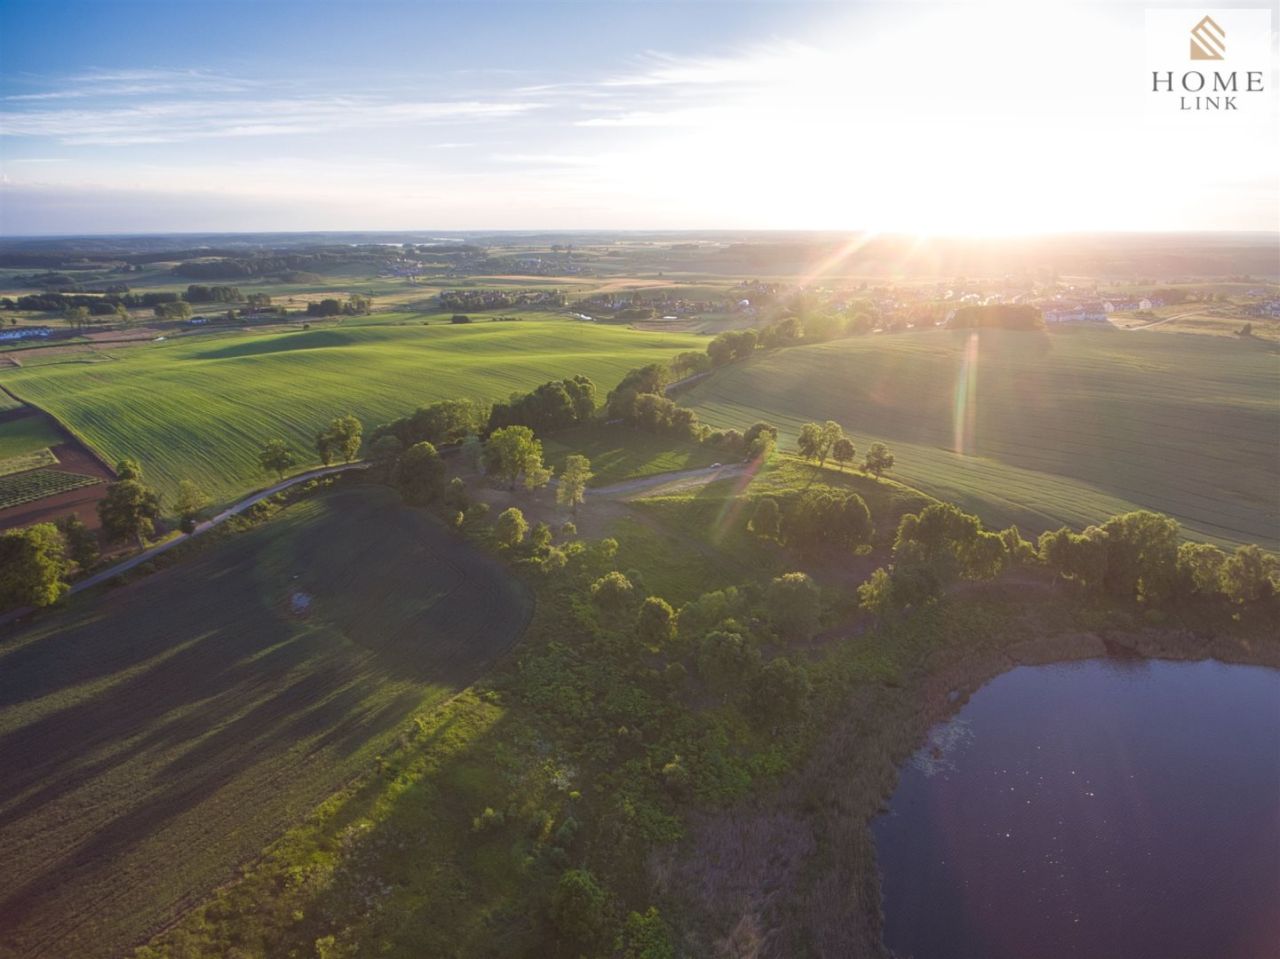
(677, 478)
(147, 554)
(235, 510)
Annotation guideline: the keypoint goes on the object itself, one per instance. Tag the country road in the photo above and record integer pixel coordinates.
(226, 514)
(151, 553)
(675, 480)
(1154, 323)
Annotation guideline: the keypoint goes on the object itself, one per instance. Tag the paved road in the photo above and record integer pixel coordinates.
(226, 514)
(678, 479)
(147, 554)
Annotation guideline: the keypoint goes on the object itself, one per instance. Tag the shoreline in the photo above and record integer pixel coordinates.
(766, 876)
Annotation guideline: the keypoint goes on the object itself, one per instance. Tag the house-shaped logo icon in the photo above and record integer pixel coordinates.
(1208, 40)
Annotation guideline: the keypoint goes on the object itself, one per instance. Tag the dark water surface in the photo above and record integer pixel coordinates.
(1126, 809)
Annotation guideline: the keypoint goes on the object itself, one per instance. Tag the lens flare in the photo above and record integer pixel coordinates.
(965, 405)
(735, 502)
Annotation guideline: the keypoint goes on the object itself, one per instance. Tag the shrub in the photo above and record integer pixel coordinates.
(612, 592)
(793, 605)
(656, 622)
(510, 528)
(577, 907)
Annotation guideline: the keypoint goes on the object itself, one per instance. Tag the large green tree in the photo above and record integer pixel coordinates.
(32, 566)
(190, 501)
(843, 451)
(510, 527)
(128, 510)
(339, 440)
(817, 440)
(419, 476)
(765, 520)
(878, 460)
(612, 592)
(1250, 574)
(656, 622)
(572, 487)
(829, 520)
(275, 456)
(82, 542)
(793, 605)
(578, 909)
(513, 452)
(781, 692)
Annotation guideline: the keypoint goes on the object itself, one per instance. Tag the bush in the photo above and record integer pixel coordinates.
(793, 605)
(612, 592)
(780, 692)
(510, 528)
(656, 623)
(645, 936)
(577, 907)
(765, 521)
(419, 475)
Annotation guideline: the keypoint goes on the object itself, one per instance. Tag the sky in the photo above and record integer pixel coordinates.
(223, 115)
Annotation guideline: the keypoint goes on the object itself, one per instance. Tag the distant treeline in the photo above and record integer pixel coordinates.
(107, 303)
(86, 255)
(238, 267)
(499, 299)
(998, 316)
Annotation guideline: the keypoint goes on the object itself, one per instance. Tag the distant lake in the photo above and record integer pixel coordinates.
(1109, 809)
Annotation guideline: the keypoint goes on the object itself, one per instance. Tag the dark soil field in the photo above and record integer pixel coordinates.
(72, 458)
(154, 738)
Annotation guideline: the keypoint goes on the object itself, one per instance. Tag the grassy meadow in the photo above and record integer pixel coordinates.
(157, 736)
(1040, 430)
(25, 435)
(619, 454)
(199, 407)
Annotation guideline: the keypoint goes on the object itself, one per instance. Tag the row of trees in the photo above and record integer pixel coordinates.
(790, 330)
(818, 521)
(355, 304)
(1134, 556)
(1139, 555)
(818, 441)
(36, 561)
(556, 405)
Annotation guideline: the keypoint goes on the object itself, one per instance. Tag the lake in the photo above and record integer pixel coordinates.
(1107, 808)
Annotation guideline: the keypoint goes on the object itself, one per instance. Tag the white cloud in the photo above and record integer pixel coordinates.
(177, 121)
(133, 83)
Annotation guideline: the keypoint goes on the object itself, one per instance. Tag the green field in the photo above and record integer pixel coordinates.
(155, 737)
(199, 407)
(19, 488)
(23, 462)
(27, 434)
(1041, 430)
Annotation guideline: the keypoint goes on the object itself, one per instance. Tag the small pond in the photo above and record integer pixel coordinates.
(1107, 808)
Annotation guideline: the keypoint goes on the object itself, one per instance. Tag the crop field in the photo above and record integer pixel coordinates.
(19, 488)
(155, 737)
(200, 407)
(27, 434)
(1041, 430)
(27, 461)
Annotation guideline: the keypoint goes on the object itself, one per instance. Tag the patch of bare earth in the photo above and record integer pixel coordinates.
(83, 502)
